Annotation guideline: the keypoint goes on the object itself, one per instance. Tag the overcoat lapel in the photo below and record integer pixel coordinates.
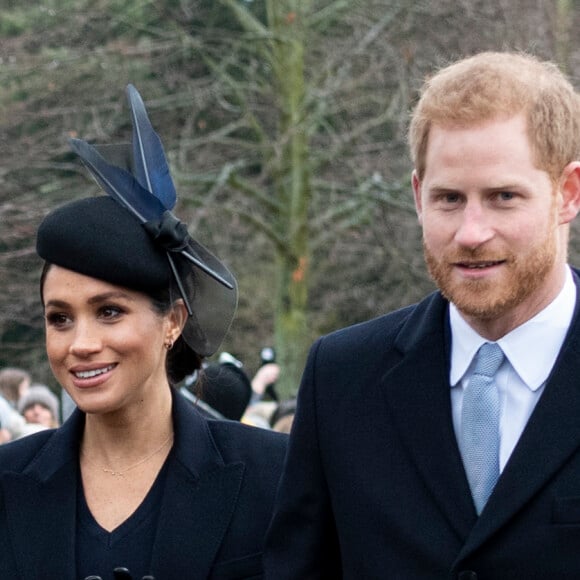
(418, 397)
(551, 436)
(201, 494)
(41, 507)
(200, 497)
(417, 392)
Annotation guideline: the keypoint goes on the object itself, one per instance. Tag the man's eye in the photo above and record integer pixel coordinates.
(451, 198)
(506, 195)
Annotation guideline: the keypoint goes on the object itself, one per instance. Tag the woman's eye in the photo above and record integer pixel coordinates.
(110, 312)
(57, 319)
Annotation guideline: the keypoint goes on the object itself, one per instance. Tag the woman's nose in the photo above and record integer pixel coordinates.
(85, 340)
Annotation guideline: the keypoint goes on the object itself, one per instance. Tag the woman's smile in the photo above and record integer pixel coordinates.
(93, 376)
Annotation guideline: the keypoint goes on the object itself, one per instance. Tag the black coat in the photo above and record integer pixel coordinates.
(216, 506)
(374, 487)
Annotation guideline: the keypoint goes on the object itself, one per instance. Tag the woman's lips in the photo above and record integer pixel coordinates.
(93, 376)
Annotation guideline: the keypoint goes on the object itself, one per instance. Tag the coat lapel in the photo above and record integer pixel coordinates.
(201, 494)
(41, 506)
(417, 394)
(551, 436)
(418, 397)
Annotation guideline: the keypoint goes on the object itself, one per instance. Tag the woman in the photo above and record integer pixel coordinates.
(40, 406)
(136, 477)
(14, 384)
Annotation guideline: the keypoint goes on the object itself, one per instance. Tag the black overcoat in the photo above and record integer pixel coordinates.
(216, 506)
(374, 486)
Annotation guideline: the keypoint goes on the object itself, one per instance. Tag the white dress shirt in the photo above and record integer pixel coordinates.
(530, 350)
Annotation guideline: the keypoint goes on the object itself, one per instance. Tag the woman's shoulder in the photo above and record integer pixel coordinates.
(17, 454)
(232, 436)
(239, 441)
(247, 435)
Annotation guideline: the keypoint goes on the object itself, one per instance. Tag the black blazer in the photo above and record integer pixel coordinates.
(374, 485)
(217, 502)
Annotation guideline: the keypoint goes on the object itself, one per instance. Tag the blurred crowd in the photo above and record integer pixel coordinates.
(221, 390)
(224, 390)
(25, 407)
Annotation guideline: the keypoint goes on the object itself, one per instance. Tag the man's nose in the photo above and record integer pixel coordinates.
(475, 226)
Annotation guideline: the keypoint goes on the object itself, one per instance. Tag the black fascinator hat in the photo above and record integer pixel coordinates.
(131, 238)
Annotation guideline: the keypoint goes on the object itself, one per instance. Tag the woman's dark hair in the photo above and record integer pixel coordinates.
(181, 359)
(45, 269)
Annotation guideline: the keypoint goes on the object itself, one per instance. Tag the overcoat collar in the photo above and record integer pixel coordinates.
(417, 394)
(200, 497)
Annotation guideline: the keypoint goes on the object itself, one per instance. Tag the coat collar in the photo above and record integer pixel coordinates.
(199, 500)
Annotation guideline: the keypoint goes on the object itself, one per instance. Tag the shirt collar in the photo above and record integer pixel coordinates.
(531, 348)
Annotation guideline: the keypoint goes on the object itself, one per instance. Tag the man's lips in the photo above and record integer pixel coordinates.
(479, 265)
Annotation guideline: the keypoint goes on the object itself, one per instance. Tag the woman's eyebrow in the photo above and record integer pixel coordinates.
(97, 299)
(114, 294)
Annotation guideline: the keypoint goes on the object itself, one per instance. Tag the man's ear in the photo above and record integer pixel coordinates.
(569, 193)
(417, 195)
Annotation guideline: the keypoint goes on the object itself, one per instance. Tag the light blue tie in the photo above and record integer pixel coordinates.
(479, 441)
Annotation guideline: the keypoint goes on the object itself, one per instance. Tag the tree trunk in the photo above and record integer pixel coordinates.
(564, 17)
(293, 187)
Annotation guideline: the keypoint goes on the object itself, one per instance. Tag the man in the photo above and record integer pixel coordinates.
(380, 479)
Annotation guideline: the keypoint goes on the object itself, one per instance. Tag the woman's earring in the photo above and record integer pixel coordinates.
(169, 344)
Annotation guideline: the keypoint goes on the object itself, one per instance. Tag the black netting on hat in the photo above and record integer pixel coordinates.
(133, 239)
(209, 301)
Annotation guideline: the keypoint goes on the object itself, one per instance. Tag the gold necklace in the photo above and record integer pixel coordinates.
(121, 472)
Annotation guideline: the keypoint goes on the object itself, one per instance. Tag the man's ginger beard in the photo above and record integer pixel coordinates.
(523, 274)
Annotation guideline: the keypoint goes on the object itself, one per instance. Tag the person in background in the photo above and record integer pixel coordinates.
(40, 406)
(135, 478)
(14, 383)
(283, 417)
(442, 440)
(5, 436)
(221, 390)
(265, 376)
(264, 400)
